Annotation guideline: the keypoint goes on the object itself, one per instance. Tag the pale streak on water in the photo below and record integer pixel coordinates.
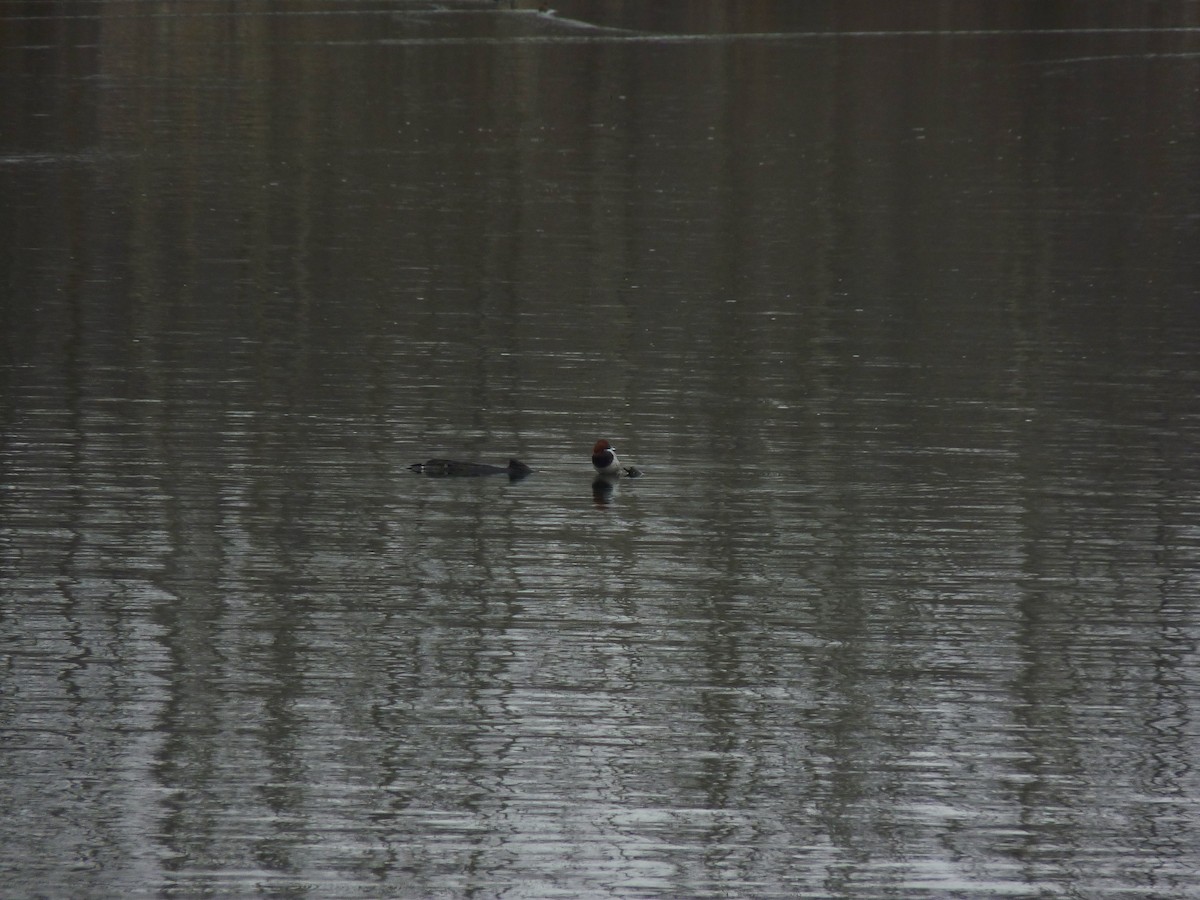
(899, 316)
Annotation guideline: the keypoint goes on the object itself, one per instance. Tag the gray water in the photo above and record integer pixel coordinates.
(896, 306)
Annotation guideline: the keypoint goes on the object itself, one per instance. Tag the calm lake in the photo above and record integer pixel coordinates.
(897, 307)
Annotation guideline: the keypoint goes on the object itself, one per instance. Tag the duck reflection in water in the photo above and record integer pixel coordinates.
(602, 490)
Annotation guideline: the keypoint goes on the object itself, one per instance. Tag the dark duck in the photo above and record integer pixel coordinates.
(446, 468)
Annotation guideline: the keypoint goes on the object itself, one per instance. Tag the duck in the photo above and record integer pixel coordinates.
(441, 468)
(604, 458)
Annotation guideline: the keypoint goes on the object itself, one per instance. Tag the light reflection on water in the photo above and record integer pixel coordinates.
(904, 606)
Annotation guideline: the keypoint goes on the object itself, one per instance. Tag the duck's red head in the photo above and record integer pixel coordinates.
(601, 446)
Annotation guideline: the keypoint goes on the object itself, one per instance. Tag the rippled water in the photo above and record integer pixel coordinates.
(898, 313)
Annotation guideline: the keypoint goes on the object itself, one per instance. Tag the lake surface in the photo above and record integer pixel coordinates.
(896, 305)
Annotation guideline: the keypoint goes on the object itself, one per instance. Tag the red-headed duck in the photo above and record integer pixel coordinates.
(604, 458)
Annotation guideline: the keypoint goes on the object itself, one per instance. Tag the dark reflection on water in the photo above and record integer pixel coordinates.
(898, 314)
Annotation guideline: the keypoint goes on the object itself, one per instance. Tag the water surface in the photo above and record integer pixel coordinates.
(895, 306)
